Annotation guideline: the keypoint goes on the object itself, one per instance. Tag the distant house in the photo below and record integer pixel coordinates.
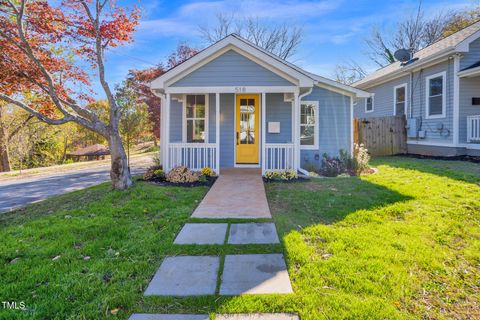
(438, 91)
(93, 152)
(237, 105)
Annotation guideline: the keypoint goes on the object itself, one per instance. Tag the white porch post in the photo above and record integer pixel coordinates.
(217, 133)
(166, 144)
(296, 130)
(264, 121)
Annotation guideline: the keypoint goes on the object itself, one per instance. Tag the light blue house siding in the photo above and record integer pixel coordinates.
(384, 102)
(231, 69)
(335, 125)
(472, 56)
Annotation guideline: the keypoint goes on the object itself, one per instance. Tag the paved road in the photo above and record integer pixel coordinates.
(19, 191)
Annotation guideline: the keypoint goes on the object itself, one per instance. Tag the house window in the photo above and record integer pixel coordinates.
(400, 99)
(436, 95)
(369, 104)
(195, 118)
(309, 125)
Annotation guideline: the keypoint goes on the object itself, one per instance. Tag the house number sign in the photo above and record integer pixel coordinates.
(240, 90)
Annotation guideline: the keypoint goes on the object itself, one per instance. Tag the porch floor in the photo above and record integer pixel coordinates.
(237, 193)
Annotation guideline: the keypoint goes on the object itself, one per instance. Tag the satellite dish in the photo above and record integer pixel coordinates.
(402, 55)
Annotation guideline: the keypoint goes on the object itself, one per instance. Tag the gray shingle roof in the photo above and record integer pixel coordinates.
(437, 47)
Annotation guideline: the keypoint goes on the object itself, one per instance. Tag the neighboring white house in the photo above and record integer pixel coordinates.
(236, 105)
(438, 91)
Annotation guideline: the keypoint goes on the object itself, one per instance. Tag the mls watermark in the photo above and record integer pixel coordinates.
(14, 305)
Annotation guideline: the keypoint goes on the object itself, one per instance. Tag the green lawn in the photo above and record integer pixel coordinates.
(403, 243)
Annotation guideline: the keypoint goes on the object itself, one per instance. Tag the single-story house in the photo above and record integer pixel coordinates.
(93, 152)
(438, 90)
(236, 105)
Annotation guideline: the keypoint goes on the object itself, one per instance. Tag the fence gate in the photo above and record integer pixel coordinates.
(382, 136)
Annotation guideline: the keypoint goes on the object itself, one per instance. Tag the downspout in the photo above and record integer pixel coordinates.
(410, 101)
(300, 97)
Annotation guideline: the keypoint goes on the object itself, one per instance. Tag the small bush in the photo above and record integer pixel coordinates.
(207, 172)
(331, 166)
(159, 174)
(281, 175)
(150, 173)
(182, 174)
(362, 158)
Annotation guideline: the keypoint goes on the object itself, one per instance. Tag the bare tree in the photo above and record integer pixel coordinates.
(281, 39)
(413, 33)
(349, 72)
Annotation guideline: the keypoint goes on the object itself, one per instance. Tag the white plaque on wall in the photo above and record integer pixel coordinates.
(273, 127)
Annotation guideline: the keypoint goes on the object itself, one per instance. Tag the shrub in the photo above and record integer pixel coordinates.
(281, 175)
(182, 174)
(207, 172)
(159, 174)
(331, 166)
(150, 173)
(362, 158)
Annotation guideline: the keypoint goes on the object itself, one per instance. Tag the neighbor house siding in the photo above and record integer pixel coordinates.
(472, 56)
(419, 104)
(278, 111)
(469, 88)
(227, 125)
(383, 99)
(335, 123)
(231, 69)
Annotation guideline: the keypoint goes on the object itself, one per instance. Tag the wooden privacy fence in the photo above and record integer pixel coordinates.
(382, 136)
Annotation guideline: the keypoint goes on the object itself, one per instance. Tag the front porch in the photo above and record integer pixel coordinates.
(231, 128)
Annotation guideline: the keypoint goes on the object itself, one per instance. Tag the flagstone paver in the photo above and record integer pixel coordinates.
(202, 233)
(252, 233)
(145, 316)
(257, 316)
(237, 193)
(255, 274)
(185, 276)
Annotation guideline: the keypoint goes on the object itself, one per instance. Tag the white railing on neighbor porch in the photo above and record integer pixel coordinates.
(278, 157)
(194, 156)
(473, 128)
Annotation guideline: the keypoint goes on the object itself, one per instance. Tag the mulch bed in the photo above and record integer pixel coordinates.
(298, 180)
(161, 182)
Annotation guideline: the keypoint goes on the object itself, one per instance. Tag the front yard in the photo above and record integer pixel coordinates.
(403, 243)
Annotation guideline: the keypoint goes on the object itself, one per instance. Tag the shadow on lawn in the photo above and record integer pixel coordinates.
(326, 201)
(453, 169)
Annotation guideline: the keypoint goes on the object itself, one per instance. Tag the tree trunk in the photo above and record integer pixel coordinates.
(4, 156)
(119, 172)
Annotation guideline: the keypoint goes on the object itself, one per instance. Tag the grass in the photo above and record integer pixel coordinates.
(400, 244)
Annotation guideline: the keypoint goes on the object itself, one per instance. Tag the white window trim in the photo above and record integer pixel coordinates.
(403, 85)
(373, 104)
(316, 134)
(184, 117)
(442, 74)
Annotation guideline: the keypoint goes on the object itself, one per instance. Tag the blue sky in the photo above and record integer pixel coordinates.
(334, 30)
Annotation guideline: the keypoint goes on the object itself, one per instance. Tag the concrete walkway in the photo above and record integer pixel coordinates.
(237, 193)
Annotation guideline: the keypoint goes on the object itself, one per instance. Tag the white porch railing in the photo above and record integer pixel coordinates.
(194, 156)
(473, 128)
(278, 157)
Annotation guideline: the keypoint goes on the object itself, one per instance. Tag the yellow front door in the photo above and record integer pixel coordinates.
(247, 134)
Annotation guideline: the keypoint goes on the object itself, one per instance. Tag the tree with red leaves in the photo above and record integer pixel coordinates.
(42, 48)
(142, 78)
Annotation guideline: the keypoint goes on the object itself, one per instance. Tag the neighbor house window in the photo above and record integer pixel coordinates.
(309, 125)
(369, 104)
(400, 99)
(195, 118)
(436, 95)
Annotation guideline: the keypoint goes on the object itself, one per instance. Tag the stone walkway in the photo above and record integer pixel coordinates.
(235, 194)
